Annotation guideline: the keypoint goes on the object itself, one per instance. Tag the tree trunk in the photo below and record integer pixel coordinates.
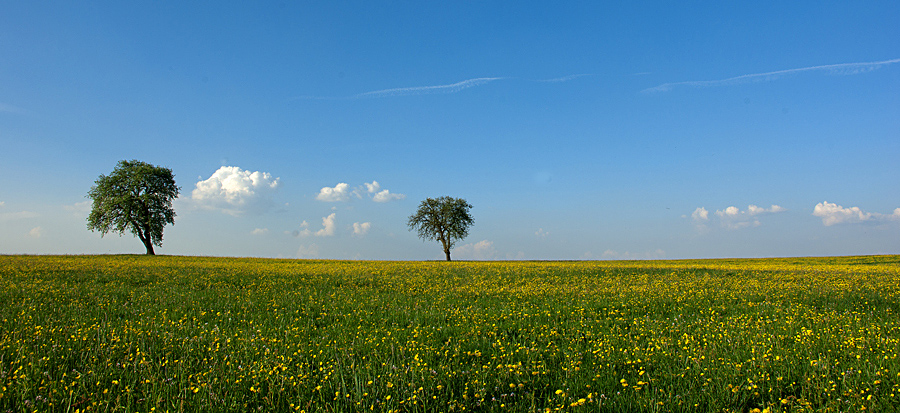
(149, 245)
(446, 251)
(145, 237)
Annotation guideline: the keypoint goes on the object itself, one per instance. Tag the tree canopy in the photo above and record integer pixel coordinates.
(136, 197)
(443, 219)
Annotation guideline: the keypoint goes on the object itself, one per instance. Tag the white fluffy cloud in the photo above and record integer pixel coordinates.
(328, 226)
(36, 232)
(700, 214)
(755, 210)
(235, 191)
(342, 193)
(832, 214)
(540, 233)
(733, 217)
(361, 229)
(260, 231)
(386, 196)
(381, 195)
(481, 250)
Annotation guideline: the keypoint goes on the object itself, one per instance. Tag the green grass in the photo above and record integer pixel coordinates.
(137, 333)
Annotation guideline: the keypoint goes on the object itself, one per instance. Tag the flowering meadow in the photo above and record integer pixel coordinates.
(143, 333)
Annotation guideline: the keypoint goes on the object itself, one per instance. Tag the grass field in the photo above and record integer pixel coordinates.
(138, 333)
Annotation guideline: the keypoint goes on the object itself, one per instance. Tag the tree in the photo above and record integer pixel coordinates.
(444, 219)
(135, 197)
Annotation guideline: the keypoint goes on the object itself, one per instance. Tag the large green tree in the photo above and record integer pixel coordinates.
(136, 197)
(443, 219)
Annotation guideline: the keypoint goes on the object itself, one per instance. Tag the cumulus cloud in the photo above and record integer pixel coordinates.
(700, 214)
(340, 193)
(260, 231)
(2, 204)
(481, 250)
(540, 233)
(733, 217)
(235, 191)
(386, 196)
(380, 195)
(833, 214)
(36, 232)
(328, 226)
(361, 229)
(755, 210)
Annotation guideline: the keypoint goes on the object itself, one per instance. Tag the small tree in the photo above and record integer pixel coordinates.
(444, 219)
(135, 197)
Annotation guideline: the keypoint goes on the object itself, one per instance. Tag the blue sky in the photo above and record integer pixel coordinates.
(577, 131)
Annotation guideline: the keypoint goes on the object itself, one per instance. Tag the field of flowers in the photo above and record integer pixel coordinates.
(138, 333)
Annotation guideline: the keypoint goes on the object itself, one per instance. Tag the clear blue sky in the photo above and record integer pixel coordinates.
(577, 130)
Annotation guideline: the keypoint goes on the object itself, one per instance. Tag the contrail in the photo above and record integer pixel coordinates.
(564, 78)
(428, 90)
(842, 69)
(425, 90)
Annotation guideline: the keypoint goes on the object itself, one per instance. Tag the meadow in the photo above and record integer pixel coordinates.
(143, 334)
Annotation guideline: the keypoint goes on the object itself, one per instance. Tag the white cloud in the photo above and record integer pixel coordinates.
(386, 196)
(2, 203)
(481, 250)
(373, 187)
(260, 231)
(733, 217)
(308, 251)
(540, 233)
(729, 212)
(340, 193)
(36, 232)
(327, 230)
(832, 214)
(361, 229)
(379, 194)
(755, 210)
(700, 214)
(327, 226)
(648, 255)
(235, 191)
